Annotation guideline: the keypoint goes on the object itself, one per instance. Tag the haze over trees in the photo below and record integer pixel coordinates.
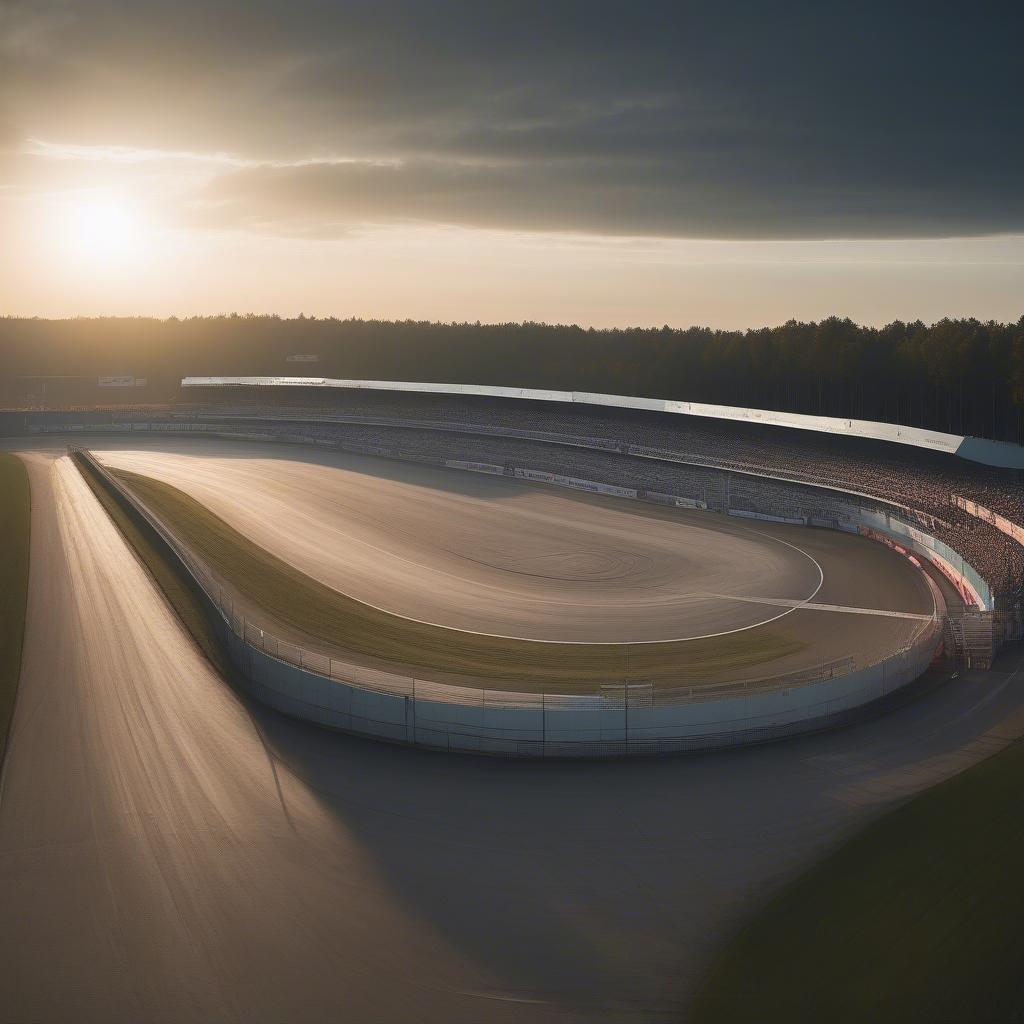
(964, 376)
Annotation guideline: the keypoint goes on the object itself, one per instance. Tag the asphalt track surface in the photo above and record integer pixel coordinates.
(170, 853)
(526, 560)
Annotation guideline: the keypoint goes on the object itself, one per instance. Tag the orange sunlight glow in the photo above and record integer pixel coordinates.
(104, 229)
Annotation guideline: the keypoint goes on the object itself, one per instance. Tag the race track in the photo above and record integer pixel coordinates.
(170, 853)
(498, 556)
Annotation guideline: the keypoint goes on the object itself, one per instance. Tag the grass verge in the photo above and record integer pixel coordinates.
(178, 587)
(917, 920)
(310, 608)
(15, 533)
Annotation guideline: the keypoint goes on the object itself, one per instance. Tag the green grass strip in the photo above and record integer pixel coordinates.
(15, 533)
(177, 585)
(309, 607)
(917, 920)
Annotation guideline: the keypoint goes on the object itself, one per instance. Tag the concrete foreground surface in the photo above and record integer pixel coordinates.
(170, 852)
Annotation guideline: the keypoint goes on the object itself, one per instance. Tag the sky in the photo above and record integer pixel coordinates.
(608, 164)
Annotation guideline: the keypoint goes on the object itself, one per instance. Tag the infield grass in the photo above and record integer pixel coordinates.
(15, 533)
(917, 920)
(308, 607)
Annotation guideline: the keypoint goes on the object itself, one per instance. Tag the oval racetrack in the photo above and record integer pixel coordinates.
(170, 853)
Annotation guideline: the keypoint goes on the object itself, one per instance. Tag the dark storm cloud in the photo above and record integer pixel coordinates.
(712, 120)
(627, 198)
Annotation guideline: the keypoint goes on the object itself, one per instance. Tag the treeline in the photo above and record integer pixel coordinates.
(963, 376)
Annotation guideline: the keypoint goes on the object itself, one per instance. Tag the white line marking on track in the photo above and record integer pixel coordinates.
(785, 602)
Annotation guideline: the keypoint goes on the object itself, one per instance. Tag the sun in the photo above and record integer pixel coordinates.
(103, 229)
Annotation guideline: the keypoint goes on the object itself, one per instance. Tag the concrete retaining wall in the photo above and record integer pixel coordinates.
(571, 727)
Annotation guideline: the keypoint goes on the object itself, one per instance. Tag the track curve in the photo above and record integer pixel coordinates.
(503, 558)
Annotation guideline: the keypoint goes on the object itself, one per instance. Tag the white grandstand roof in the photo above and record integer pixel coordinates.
(992, 453)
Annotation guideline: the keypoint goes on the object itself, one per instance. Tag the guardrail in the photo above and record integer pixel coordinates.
(619, 718)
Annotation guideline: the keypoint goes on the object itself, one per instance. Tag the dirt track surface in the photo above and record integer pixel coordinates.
(169, 853)
(483, 553)
(497, 556)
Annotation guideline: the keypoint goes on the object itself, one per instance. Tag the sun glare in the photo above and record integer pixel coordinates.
(105, 229)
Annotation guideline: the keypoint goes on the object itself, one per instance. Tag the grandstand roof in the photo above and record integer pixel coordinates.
(990, 453)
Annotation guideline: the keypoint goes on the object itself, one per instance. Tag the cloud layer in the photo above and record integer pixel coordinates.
(699, 120)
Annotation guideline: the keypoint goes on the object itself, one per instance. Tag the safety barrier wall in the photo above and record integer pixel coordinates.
(950, 563)
(619, 719)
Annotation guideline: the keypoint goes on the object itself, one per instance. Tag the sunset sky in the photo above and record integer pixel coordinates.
(607, 164)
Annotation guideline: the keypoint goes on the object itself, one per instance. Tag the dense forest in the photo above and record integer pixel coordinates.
(963, 376)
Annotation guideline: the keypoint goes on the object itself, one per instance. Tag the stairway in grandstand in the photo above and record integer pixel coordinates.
(971, 639)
